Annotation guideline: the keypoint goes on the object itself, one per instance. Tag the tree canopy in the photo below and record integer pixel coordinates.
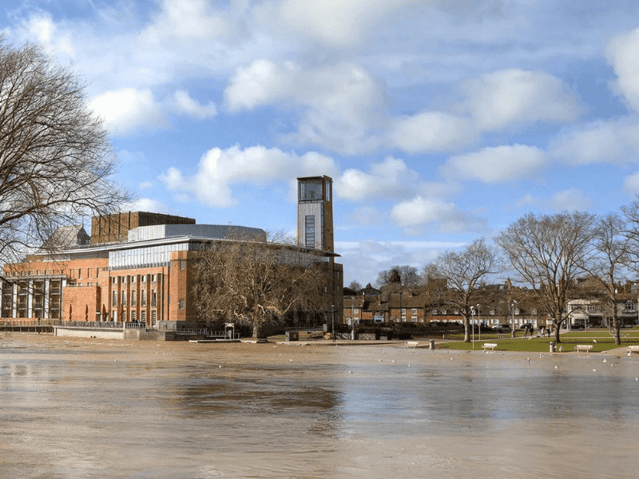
(56, 160)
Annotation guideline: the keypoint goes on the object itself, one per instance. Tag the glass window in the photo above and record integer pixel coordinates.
(309, 231)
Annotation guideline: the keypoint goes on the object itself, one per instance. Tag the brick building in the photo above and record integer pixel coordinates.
(135, 268)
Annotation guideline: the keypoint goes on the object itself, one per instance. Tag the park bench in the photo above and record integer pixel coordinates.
(490, 346)
(412, 343)
(633, 349)
(583, 347)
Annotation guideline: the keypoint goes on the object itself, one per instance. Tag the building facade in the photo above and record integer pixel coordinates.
(138, 269)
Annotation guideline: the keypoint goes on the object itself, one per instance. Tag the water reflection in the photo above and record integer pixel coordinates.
(352, 412)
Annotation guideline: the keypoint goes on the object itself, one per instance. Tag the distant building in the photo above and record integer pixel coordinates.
(137, 267)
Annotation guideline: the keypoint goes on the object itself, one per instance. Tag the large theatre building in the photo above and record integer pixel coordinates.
(136, 267)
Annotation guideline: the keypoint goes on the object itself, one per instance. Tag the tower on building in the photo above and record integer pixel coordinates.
(315, 213)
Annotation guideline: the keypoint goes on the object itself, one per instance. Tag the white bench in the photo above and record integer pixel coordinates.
(490, 346)
(633, 349)
(583, 347)
(412, 343)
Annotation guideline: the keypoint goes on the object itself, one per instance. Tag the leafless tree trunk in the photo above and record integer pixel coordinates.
(55, 157)
(607, 266)
(549, 252)
(256, 282)
(463, 272)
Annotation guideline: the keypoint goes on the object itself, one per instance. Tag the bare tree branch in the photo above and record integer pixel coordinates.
(55, 158)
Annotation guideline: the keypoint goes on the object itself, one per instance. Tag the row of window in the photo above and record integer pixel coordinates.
(134, 297)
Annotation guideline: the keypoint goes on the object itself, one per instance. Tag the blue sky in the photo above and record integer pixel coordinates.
(439, 121)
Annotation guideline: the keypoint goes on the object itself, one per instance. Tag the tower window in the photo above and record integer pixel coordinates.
(309, 231)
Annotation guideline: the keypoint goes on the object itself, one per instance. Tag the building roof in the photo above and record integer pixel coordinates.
(66, 237)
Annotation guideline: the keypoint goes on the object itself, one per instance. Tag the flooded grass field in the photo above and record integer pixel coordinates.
(74, 408)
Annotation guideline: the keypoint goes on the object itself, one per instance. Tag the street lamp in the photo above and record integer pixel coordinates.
(472, 325)
(333, 314)
(479, 322)
(353, 318)
(513, 316)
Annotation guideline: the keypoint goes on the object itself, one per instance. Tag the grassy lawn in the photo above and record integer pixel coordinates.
(541, 345)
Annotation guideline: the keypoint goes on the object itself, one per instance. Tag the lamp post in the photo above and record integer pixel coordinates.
(333, 315)
(472, 325)
(479, 322)
(513, 316)
(353, 318)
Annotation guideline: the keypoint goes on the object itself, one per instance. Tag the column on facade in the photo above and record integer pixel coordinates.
(45, 305)
(30, 299)
(14, 296)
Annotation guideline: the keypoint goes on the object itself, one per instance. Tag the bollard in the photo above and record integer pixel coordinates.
(431, 344)
(552, 346)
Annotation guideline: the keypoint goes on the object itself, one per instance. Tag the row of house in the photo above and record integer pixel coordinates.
(496, 306)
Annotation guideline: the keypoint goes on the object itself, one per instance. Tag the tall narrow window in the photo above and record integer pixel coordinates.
(309, 231)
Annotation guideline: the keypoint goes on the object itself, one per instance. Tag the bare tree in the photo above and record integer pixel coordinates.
(462, 273)
(399, 277)
(549, 252)
(609, 265)
(355, 285)
(55, 157)
(258, 282)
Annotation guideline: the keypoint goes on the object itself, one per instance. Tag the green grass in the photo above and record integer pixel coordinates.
(540, 345)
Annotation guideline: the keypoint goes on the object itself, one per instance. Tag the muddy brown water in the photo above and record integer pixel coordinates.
(74, 408)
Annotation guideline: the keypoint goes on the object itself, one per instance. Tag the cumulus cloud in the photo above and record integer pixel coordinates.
(623, 54)
(631, 184)
(603, 141)
(331, 23)
(189, 20)
(501, 98)
(496, 164)
(340, 103)
(184, 104)
(218, 170)
(388, 179)
(431, 131)
(128, 110)
(572, 199)
(435, 212)
(146, 204)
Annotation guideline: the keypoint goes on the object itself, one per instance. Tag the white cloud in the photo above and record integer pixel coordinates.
(434, 131)
(496, 164)
(219, 170)
(128, 110)
(623, 54)
(184, 104)
(603, 141)
(572, 199)
(389, 179)
(188, 20)
(146, 204)
(41, 29)
(419, 210)
(259, 84)
(331, 23)
(631, 184)
(501, 98)
(339, 103)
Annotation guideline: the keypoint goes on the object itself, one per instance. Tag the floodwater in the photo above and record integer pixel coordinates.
(107, 409)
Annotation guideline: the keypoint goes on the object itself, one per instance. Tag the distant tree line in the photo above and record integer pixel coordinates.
(548, 254)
